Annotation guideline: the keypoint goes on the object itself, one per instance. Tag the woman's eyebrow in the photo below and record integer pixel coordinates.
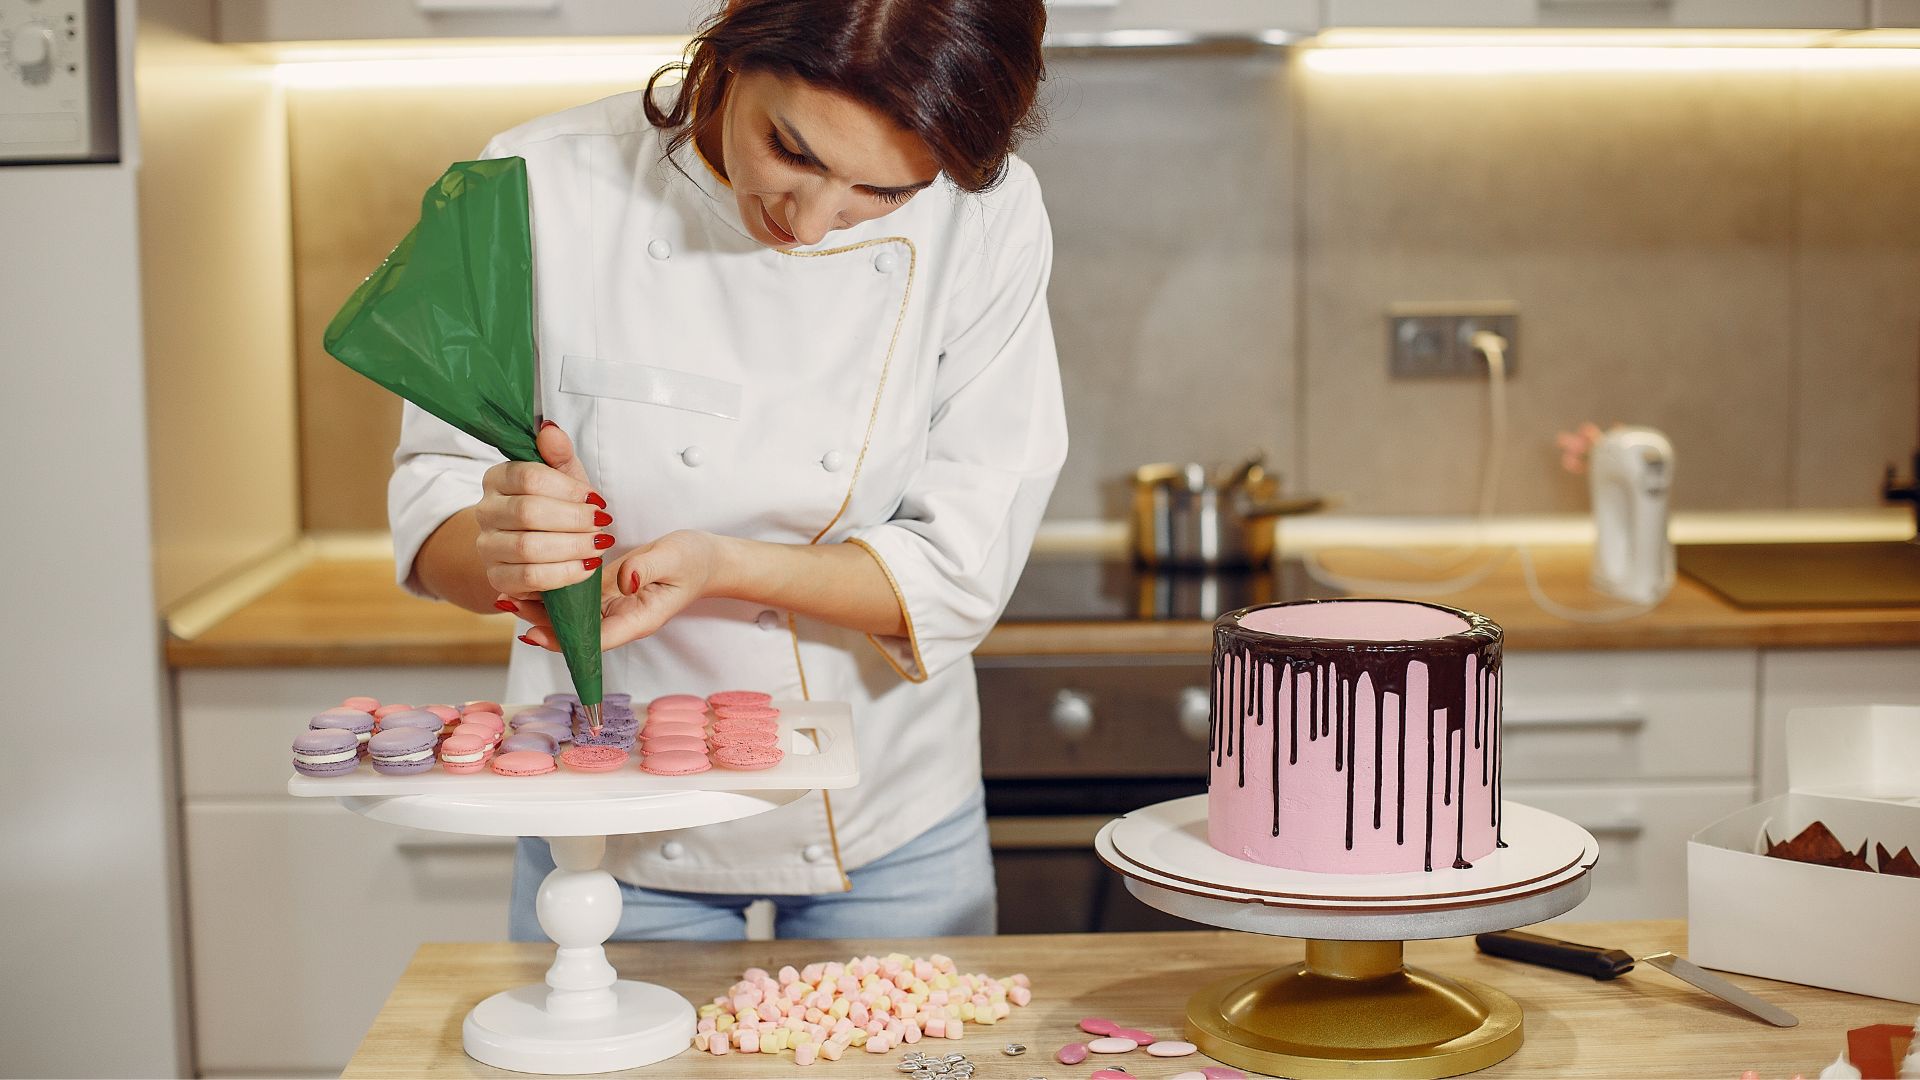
(786, 128)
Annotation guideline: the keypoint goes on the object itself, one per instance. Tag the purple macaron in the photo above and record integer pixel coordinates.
(559, 730)
(412, 718)
(530, 740)
(403, 750)
(538, 714)
(562, 701)
(326, 751)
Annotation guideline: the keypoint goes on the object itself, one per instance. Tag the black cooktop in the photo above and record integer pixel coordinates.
(1095, 588)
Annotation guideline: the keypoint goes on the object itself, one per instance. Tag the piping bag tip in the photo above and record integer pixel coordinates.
(593, 718)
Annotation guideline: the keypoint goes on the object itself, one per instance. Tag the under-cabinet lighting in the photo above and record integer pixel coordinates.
(1567, 59)
(323, 67)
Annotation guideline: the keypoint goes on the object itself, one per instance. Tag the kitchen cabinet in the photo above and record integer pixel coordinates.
(356, 20)
(1071, 20)
(1631, 14)
(1896, 14)
(298, 901)
(1802, 678)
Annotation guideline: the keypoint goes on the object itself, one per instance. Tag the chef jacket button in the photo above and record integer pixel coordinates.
(693, 457)
(833, 461)
(660, 249)
(813, 852)
(768, 620)
(885, 262)
(672, 849)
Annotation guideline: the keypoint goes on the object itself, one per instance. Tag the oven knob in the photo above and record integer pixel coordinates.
(1072, 714)
(31, 51)
(1196, 713)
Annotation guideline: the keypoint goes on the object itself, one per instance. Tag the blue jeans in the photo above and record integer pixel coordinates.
(939, 883)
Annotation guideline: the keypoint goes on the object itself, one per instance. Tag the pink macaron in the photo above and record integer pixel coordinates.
(447, 713)
(385, 711)
(660, 744)
(675, 763)
(674, 731)
(363, 703)
(765, 727)
(487, 720)
(464, 754)
(747, 758)
(745, 738)
(522, 763)
(739, 697)
(747, 712)
(593, 758)
(481, 706)
(677, 701)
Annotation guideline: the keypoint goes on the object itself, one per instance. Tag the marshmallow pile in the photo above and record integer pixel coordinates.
(867, 1003)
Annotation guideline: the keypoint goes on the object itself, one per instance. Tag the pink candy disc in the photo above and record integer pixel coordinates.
(1093, 1025)
(739, 697)
(748, 758)
(1072, 1054)
(1111, 1074)
(1141, 1037)
(675, 763)
(1113, 1044)
(1221, 1072)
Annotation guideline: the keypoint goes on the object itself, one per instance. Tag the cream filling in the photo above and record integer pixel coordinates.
(424, 755)
(325, 759)
(463, 759)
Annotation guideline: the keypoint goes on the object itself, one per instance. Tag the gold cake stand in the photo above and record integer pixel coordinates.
(1352, 1008)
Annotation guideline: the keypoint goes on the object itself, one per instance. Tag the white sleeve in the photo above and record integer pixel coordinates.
(437, 470)
(955, 547)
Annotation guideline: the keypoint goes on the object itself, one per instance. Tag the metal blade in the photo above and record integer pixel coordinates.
(1687, 971)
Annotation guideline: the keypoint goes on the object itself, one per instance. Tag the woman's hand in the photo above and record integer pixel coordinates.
(540, 526)
(642, 590)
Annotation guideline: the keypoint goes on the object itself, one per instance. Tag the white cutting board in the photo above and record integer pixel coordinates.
(817, 736)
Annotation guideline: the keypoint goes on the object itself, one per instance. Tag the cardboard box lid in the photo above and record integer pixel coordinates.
(1855, 752)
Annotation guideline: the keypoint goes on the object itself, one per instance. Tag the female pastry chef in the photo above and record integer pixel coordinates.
(794, 345)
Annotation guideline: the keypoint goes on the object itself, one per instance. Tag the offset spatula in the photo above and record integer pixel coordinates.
(1612, 963)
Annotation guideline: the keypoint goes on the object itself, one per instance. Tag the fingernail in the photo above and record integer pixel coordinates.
(591, 564)
(602, 519)
(506, 605)
(545, 424)
(529, 641)
(594, 498)
(633, 582)
(603, 541)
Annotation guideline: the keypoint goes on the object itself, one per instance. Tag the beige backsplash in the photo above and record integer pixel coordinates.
(1731, 256)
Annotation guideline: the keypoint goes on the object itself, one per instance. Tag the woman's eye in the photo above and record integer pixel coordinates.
(780, 151)
(892, 198)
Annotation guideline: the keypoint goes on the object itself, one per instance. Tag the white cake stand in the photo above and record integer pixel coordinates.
(1352, 1008)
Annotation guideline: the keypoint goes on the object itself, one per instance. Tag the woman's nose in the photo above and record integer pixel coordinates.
(815, 216)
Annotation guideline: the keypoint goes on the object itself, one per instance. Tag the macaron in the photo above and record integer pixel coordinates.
(490, 721)
(447, 713)
(593, 758)
(657, 728)
(363, 703)
(537, 741)
(326, 751)
(764, 727)
(618, 698)
(625, 740)
(561, 732)
(481, 706)
(403, 750)
(660, 744)
(477, 731)
(678, 701)
(464, 753)
(538, 714)
(562, 701)
(522, 763)
(385, 711)
(747, 758)
(675, 763)
(743, 738)
(739, 697)
(746, 712)
(412, 718)
(354, 720)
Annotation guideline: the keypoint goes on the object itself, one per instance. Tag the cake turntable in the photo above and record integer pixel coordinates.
(1351, 1008)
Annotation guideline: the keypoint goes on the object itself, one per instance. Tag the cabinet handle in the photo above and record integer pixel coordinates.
(1625, 720)
(1071, 715)
(1196, 713)
(486, 7)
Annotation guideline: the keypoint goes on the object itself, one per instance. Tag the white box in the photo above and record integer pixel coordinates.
(1857, 768)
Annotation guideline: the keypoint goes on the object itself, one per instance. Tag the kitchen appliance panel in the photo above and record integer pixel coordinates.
(59, 88)
(1093, 717)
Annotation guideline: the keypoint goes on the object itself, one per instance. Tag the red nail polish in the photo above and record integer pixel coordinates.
(591, 564)
(594, 498)
(603, 541)
(506, 605)
(529, 641)
(545, 424)
(633, 585)
(602, 519)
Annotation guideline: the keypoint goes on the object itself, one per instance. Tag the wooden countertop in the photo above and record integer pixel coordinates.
(348, 612)
(1644, 1024)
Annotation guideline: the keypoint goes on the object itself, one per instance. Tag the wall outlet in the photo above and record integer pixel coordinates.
(1436, 340)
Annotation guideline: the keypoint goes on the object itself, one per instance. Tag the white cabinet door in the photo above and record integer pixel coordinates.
(354, 20)
(302, 916)
(1627, 717)
(1797, 678)
(1642, 830)
(1069, 20)
(1637, 14)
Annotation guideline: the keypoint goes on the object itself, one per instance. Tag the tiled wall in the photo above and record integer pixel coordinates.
(1731, 256)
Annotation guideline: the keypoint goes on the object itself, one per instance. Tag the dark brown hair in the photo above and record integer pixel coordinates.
(959, 74)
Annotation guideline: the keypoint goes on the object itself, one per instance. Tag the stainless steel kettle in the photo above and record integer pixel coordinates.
(1185, 518)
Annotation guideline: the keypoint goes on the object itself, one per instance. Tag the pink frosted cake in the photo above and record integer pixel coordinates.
(1355, 736)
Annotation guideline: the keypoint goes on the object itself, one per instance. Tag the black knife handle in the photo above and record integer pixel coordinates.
(1565, 955)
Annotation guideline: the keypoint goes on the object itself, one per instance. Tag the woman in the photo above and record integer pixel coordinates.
(803, 400)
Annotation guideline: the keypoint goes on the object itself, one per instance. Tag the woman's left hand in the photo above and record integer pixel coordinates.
(640, 591)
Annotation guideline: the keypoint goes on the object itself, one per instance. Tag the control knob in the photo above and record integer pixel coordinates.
(30, 49)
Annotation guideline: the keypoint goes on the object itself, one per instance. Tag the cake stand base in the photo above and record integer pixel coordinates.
(1354, 1009)
(514, 1030)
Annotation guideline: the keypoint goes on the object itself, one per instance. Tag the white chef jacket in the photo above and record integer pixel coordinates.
(895, 387)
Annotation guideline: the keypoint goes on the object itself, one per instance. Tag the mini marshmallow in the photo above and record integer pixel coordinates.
(955, 1029)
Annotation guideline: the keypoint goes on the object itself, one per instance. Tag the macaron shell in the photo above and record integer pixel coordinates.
(522, 763)
(402, 751)
(673, 731)
(593, 758)
(481, 706)
(538, 714)
(538, 742)
(326, 742)
(747, 712)
(661, 744)
(363, 704)
(747, 758)
(682, 701)
(726, 725)
(462, 746)
(384, 711)
(675, 763)
(739, 697)
(730, 739)
(354, 720)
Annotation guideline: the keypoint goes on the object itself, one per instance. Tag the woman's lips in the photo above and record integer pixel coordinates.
(773, 227)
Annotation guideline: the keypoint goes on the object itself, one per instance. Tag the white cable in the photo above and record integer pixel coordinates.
(1573, 614)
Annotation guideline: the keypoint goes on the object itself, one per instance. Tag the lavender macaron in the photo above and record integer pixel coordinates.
(326, 751)
(412, 718)
(354, 720)
(530, 740)
(538, 714)
(403, 750)
(561, 731)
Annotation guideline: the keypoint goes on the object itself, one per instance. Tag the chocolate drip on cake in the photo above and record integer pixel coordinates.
(1256, 674)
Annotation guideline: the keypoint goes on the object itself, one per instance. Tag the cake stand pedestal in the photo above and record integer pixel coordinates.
(1352, 1008)
(584, 1018)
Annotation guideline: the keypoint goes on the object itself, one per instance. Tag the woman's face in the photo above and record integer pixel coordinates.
(804, 162)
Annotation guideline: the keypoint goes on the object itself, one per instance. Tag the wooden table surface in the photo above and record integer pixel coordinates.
(348, 612)
(1645, 1024)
